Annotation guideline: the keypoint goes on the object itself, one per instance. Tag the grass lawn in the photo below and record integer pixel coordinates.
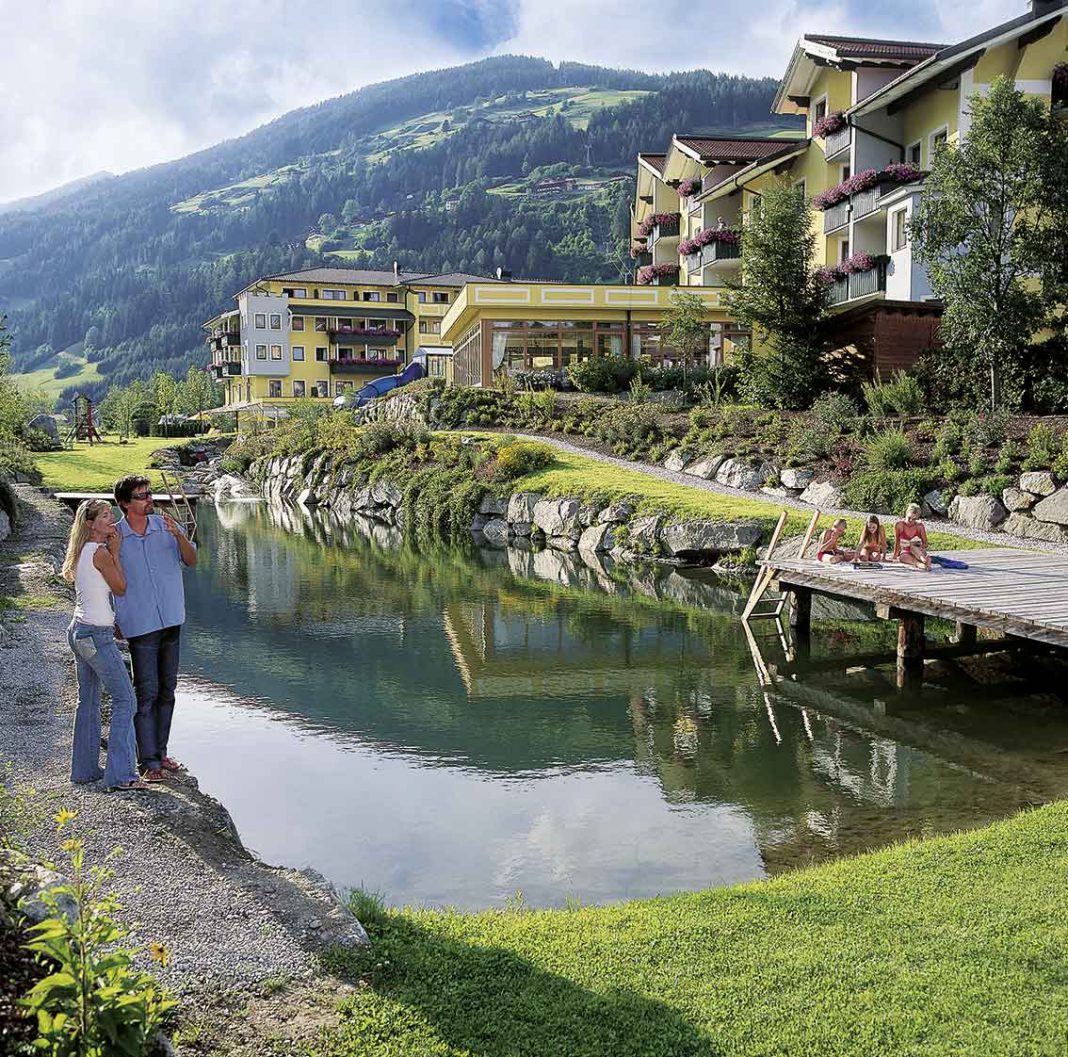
(572, 474)
(951, 946)
(96, 468)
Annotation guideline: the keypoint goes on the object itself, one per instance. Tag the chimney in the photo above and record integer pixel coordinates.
(504, 274)
(396, 271)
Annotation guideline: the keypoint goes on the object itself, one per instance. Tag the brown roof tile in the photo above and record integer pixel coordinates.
(656, 161)
(732, 149)
(866, 48)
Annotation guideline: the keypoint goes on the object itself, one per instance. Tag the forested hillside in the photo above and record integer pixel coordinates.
(440, 170)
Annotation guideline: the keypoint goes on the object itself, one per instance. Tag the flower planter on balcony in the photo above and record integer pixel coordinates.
(371, 335)
(851, 281)
(379, 366)
(658, 275)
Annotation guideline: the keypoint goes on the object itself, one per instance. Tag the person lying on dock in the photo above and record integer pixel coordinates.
(910, 540)
(872, 545)
(828, 550)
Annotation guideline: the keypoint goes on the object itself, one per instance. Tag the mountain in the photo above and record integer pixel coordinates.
(441, 171)
(47, 198)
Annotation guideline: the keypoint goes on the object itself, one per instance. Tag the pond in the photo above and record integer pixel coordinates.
(450, 726)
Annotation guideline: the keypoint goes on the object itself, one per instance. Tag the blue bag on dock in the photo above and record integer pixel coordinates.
(948, 563)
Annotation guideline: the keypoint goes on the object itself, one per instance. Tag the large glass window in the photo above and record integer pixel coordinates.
(298, 387)
(298, 352)
(298, 322)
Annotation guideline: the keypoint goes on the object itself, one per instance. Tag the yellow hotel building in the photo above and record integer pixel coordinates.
(875, 113)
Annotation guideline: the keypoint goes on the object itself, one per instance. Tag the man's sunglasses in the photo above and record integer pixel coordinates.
(141, 495)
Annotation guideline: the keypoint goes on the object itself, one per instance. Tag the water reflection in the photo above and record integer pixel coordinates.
(451, 726)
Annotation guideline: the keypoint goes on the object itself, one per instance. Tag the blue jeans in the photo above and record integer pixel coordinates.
(99, 665)
(155, 665)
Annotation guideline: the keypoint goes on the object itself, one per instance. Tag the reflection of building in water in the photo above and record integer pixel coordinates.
(508, 653)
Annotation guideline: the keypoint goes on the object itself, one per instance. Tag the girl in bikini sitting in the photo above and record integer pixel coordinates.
(872, 546)
(828, 550)
(910, 540)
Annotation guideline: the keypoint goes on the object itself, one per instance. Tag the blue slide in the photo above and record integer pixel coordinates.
(380, 386)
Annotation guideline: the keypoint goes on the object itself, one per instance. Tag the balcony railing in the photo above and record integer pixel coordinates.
(379, 366)
(719, 250)
(865, 202)
(836, 217)
(836, 142)
(662, 231)
(226, 370)
(371, 335)
(693, 261)
(859, 284)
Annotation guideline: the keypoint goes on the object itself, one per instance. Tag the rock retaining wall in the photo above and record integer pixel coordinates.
(564, 524)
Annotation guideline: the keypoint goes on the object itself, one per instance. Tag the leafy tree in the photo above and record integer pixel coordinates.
(123, 406)
(686, 328)
(991, 223)
(782, 298)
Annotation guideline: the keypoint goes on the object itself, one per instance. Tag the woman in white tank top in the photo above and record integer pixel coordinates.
(94, 566)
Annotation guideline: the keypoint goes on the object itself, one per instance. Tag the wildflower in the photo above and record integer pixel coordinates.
(160, 953)
(63, 816)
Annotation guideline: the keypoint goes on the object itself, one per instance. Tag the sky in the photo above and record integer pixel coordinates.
(92, 85)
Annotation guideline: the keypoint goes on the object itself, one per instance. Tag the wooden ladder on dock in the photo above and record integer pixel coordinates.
(766, 575)
(188, 515)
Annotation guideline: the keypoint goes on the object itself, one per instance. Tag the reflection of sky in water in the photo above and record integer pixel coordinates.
(449, 732)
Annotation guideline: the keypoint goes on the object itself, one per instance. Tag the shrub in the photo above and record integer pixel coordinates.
(977, 464)
(948, 441)
(1008, 457)
(630, 429)
(990, 429)
(890, 450)
(542, 378)
(1042, 447)
(521, 458)
(379, 438)
(948, 470)
(995, 484)
(835, 412)
(969, 487)
(247, 449)
(927, 429)
(602, 374)
(639, 390)
(901, 395)
(535, 409)
(16, 458)
(1060, 463)
(806, 442)
(885, 491)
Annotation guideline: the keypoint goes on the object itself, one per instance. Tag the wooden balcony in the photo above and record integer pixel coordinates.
(837, 143)
(716, 252)
(836, 217)
(859, 284)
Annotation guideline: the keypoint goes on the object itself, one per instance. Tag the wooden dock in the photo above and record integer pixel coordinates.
(1019, 594)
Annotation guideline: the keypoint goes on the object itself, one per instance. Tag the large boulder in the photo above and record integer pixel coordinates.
(644, 532)
(1038, 482)
(493, 505)
(597, 539)
(675, 461)
(1016, 499)
(521, 506)
(558, 517)
(387, 494)
(1053, 508)
(823, 494)
(796, 477)
(616, 513)
(1017, 524)
(497, 532)
(935, 503)
(362, 499)
(701, 539)
(706, 468)
(737, 473)
(977, 511)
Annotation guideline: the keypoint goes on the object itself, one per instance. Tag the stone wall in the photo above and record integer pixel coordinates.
(564, 524)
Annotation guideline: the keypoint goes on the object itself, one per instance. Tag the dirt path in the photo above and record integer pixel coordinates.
(245, 939)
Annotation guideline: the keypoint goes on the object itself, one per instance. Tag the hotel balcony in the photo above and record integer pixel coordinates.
(836, 217)
(858, 284)
(837, 143)
(368, 335)
(661, 231)
(381, 365)
(225, 370)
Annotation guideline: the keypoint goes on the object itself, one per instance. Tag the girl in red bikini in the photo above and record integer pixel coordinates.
(828, 550)
(910, 540)
(872, 546)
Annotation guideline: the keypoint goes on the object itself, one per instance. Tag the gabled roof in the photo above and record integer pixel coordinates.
(372, 277)
(654, 162)
(789, 149)
(725, 150)
(846, 48)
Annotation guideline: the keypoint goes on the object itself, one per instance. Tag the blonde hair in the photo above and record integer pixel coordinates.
(913, 510)
(87, 512)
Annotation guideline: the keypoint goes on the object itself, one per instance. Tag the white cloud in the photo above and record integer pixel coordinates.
(102, 84)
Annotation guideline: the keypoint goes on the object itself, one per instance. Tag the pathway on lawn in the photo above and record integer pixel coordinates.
(950, 528)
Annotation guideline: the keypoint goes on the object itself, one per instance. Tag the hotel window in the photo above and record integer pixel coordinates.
(430, 326)
(298, 322)
(339, 388)
(322, 388)
(441, 298)
(320, 323)
(276, 321)
(298, 352)
(422, 297)
(332, 295)
(800, 187)
(843, 250)
(372, 295)
(298, 388)
(377, 324)
(295, 291)
(276, 352)
(260, 321)
(392, 298)
(274, 388)
(261, 352)
(819, 110)
(844, 173)
(936, 140)
(912, 153)
(320, 354)
(900, 237)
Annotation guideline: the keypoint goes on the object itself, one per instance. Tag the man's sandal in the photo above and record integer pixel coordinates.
(154, 776)
(170, 765)
(136, 783)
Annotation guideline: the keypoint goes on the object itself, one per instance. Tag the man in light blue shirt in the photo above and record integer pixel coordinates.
(150, 616)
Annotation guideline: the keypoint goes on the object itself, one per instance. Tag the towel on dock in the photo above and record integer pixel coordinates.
(948, 563)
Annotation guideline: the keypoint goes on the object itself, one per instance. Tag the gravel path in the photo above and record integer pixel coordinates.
(229, 921)
(950, 528)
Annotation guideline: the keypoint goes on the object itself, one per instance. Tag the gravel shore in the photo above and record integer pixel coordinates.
(951, 528)
(230, 922)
